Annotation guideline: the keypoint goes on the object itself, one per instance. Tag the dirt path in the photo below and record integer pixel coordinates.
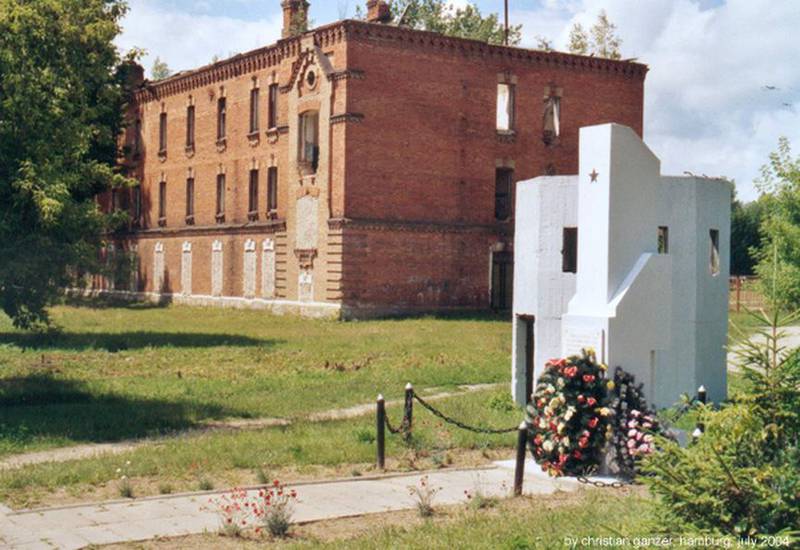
(80, 452)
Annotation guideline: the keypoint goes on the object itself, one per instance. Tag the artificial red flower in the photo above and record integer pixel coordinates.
(583, 443)
(571, 372)
(591, 401)
(593, 422)
(577, 454)
(588, 378)
(581, 398)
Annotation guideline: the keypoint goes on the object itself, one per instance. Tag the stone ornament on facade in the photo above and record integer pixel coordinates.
(158, 268)
(305, 286)
(249, 282)
(186, 269)
(268, 269)
(217, 262)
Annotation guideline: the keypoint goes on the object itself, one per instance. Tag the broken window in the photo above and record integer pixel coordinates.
(505, 107)
(502, 193)
(221, 118)
(220, 197)
(162, 133)
(189, 200)
(663, 240)
(569, 250)
(253, 195)
(714, 260)
(162, 200)
(272, 115)
(309, 140)
(190, 126)
(272, 189)
(254, 100)
(552, 118)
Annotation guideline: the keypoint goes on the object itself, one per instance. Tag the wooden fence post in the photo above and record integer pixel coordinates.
(519, 469)
(380, 438)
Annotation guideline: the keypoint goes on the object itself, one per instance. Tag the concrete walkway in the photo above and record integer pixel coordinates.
(81, 452)
(74, 527)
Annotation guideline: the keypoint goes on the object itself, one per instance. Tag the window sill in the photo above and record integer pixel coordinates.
(220, 218)
(190, 220)
(254, 138)
(190, 150)
(272, 215)
(506, 136)
(162, 155)
(252, 216)
(222, 144)
(272, 135)
(162, 222)
(550, 139)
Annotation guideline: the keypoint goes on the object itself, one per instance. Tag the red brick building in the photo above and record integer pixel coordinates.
(356, 169)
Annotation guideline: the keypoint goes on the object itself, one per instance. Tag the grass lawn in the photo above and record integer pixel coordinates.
(121, 373)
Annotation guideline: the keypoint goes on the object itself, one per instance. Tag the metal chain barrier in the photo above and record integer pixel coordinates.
(601, 484)
(461, 425)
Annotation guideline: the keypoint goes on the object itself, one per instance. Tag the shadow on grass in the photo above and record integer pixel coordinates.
(113, 302)
(45, 407)
(116, 342)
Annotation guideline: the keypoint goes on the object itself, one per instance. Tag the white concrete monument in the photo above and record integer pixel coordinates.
(628, 262)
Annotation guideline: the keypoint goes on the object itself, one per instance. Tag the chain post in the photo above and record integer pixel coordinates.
(519, 469)
(381, 433)
(408, 412)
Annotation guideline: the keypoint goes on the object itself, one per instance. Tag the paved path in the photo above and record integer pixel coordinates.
(80, 452)
(74, 527)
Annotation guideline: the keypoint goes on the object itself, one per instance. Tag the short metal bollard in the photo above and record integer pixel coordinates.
(381, 432)
(702, 395)
(519, 469)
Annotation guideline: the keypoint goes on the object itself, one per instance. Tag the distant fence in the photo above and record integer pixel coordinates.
(744, 294)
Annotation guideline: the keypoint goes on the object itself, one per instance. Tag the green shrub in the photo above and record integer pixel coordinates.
(729, 481)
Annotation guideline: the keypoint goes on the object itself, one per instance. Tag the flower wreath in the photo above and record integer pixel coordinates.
(567, 416)
(635, 424)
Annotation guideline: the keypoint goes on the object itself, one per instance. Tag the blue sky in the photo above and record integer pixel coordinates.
(724, 80)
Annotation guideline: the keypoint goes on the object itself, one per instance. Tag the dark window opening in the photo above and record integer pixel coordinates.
(663, 239)
(162, 200)
(254, 100)
(569, 250)
(502, 280)
(714, 260)
(221, 118)
(137, 204)
(162, 133)
(272, 114)
(552, 119)
(272, 189)
(189, 199)
(253, 194)
(502, 193)
(190, 126)
(220, 197)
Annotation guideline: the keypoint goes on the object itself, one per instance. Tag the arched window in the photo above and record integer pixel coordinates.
(309, 140)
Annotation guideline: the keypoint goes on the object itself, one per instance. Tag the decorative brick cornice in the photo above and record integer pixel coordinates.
(270, 226)
(334, 33)
(463, 46)
(346, 117)
(339, 224)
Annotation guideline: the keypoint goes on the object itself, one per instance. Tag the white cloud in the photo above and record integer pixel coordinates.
(706, 108)
(188, 40)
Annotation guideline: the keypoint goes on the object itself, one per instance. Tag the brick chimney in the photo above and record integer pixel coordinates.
(295, 17)
(378, 11)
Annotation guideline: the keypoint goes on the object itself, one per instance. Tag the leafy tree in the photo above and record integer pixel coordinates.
(601, 40)
(578, 40)
(62, 92)
(779, 256)
(160, 70)
(544, 43)
(745, 236)
(467, 22)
